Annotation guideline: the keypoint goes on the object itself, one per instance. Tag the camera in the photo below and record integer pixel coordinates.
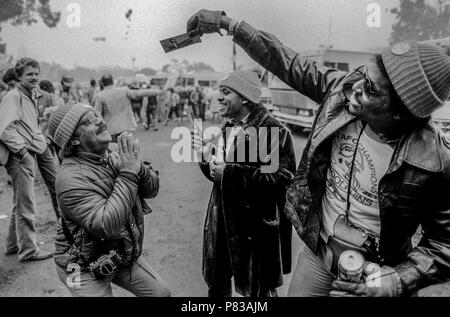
(105, 265)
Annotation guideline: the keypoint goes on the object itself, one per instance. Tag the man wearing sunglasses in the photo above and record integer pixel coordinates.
(101, 197)
(374, 167)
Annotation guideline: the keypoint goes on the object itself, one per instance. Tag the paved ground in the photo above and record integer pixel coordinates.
(173, 232)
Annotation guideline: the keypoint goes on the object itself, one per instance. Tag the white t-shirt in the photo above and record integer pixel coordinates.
(371, 163)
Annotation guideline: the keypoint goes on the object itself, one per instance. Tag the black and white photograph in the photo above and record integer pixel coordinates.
(239, 151)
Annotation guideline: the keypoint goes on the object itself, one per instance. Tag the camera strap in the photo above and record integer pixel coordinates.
(70, 238)
(352, 167)
(371, 238)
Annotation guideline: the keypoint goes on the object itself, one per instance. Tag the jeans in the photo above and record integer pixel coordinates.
(311, 278)
(151, 117)
(21, 236)
(140, 279)
(47, 166)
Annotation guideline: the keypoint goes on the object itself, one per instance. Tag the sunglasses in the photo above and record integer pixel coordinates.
(368, 85)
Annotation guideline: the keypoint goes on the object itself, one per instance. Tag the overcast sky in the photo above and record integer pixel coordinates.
(300, 24)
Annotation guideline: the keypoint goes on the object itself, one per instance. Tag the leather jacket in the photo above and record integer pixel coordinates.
(414, 191)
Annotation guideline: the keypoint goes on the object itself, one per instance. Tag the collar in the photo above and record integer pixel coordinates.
(254, 119)
(241, 122)
(32, 95)
(93, 158)
(37, 94)
(421, 148)
(25, 91)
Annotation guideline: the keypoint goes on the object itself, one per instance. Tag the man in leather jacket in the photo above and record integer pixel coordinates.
(373, 157)
(101, 197)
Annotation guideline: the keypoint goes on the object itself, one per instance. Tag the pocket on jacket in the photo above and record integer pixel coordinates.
(269, 236)
(408, 197)
(269, 245)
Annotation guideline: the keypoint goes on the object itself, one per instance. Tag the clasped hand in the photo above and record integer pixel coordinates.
(129, 153)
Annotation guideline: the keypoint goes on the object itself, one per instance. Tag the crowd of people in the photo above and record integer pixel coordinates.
(374, 169)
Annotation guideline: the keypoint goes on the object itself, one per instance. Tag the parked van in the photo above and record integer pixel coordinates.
(206, 80)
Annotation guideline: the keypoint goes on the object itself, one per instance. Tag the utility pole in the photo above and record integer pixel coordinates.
(234, 56)
(329, 34)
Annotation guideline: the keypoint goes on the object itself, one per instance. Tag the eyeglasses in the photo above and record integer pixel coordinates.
(368, 85)
(90, 118)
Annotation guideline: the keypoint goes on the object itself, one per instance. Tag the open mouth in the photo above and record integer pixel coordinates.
(101, 129)
(353, 104)
(223, 107)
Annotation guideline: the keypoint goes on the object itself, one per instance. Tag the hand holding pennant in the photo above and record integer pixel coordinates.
(179, 41)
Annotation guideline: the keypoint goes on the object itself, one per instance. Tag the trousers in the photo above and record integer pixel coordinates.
(140, 279)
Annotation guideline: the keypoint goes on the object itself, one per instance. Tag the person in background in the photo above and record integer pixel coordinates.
(10, 78)
(114, 104)
(92, 92)
(27, 146)
(161, 109)
(3, 90)
(150, 108)
(197, 102)
(67, 92)
(48, 103)
(214, 106)
(137, 103)
(174, 105)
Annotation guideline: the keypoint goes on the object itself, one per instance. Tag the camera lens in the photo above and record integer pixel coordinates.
(107, 269)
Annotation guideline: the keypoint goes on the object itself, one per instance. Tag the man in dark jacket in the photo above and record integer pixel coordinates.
(101, 196)
(246, 235)
(374, 167)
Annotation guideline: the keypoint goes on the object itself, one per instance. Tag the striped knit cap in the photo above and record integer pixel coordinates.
(245, 83)
(420, 74)
(64, 121)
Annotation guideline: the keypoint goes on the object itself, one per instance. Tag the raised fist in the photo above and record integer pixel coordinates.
(204, 22)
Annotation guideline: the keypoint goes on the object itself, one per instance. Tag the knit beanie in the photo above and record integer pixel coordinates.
(63, 122)
(420, 74)
(245, 83)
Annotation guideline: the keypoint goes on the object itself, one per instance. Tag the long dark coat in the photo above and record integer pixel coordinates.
(245, 232)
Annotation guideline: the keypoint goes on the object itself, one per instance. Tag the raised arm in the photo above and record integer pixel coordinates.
(302, 74)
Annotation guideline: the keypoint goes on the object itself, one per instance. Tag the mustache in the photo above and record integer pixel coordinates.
(102, 127)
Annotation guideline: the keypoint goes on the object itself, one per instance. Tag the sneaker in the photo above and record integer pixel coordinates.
(42, 255)
(12, 252)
